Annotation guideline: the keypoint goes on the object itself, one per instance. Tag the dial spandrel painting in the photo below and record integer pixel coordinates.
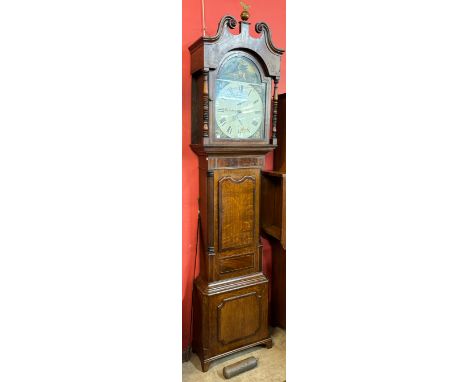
(240, 100)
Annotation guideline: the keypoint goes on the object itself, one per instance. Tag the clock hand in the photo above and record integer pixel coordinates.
(243, 116)
(248, 111)
(251, 107)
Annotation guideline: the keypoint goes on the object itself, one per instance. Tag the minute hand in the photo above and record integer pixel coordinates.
(248, 111)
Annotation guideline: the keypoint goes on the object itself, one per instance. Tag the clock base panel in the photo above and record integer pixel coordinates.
(230, 317)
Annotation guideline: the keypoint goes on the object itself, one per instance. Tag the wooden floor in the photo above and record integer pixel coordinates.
(271, 364)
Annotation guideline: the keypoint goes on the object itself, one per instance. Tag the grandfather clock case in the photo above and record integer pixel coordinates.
(234, 105)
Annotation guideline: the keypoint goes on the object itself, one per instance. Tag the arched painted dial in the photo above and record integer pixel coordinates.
(239, 110)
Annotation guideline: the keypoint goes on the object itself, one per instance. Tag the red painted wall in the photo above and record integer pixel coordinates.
(273, 12)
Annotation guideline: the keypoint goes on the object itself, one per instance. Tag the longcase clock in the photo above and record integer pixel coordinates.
(234, 102)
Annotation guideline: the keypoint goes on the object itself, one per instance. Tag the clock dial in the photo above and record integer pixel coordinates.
(239, 100)
(239, 110)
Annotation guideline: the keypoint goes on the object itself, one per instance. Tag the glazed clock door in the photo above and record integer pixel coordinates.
(240, 100)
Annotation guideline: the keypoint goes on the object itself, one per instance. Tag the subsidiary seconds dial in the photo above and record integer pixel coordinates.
(239, 110)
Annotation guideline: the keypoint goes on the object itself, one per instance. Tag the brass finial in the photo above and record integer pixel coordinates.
(245, 13)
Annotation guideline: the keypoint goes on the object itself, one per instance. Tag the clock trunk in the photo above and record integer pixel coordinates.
(231, 292)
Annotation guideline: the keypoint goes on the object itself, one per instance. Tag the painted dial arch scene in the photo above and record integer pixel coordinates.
(239, 100)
